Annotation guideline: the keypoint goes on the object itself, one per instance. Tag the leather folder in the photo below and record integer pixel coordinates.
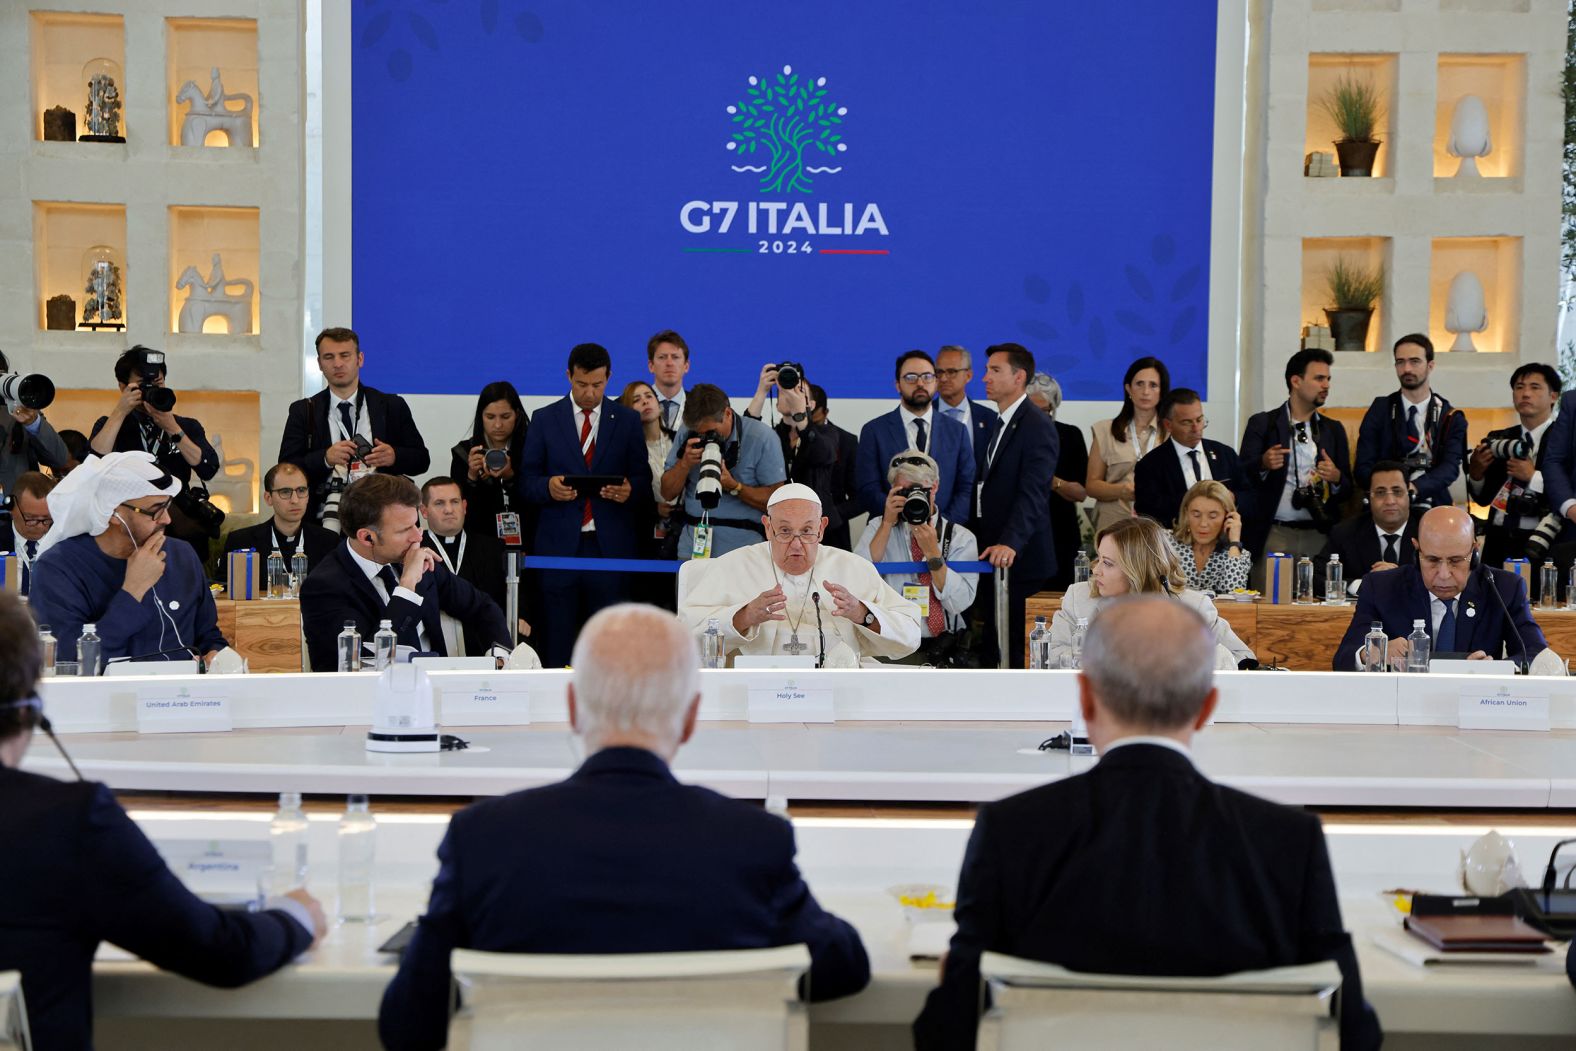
(1477, 933)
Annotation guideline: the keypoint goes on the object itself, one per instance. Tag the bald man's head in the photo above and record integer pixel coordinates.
(636, 679)
(1149, 665)
(1445, 542)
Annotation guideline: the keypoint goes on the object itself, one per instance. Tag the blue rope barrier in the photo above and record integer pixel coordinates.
(643, 565)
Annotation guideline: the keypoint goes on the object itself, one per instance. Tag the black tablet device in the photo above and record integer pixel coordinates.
(591, 484)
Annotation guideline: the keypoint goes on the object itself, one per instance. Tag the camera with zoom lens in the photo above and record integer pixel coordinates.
(1544, 535)
(1416, 462)
(1310, 498)
(197, 505)
(789, 375)
(1526, 505)
(495, 460)
(1517, 448)
(363, 448)
(916, 504)
(20, 391)
(160, 399)
(708, 483)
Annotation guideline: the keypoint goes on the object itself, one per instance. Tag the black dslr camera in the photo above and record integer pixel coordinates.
(197, 505)
(161, 399)
(789, 375)
(1310, 498)
(916, 504)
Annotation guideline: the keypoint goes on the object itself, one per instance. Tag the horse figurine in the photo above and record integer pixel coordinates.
(212, 298)
(211, 112)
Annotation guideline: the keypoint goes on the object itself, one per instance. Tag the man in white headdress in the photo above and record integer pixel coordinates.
(105, 562)
(791, 596)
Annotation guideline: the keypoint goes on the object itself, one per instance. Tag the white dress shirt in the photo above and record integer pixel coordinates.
(372, 569)
(1204, 473)
(336, 424)
(1400, 552)
(579, 422)
(1164, 742)
(911, 420)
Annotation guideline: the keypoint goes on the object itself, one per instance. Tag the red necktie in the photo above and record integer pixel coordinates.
(588, 447)
(936, 620)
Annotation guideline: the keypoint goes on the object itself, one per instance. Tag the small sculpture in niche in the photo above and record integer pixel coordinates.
(1469, 137)
(60, 313)
(60, 125)
(102, 116)
(211, 112)
(210, 298)
(103, 307)
(1465, 310)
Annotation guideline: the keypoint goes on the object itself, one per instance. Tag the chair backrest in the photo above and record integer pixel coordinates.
(743, 998)
(690, 571)
(1035, 1005)
(13, 1013)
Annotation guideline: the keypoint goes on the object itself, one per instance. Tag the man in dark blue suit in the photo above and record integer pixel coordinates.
(1143, 865)
(915, 424)
(1012, 512)
(1163, 477)
(78, 871)
(584, 434)
(954, 370)
(1559, 465)
(382, 572)
(621, 857)
(1449, 592)
(1414, 426)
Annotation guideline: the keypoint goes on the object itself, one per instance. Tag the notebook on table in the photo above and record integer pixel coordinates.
(1477, 933)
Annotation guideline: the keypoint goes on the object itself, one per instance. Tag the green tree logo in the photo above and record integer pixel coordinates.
(784, 117)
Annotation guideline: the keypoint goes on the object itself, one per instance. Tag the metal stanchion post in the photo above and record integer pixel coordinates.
(511, 595)
(1004, 659)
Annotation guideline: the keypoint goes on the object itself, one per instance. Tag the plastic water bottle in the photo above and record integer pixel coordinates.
(1303, 594)
(287, 836)
(1334, 583)
(46, 642)
(350, 648)
(358, 838)
(1548, 586)
(1081, 567)
(1039, 646)
(1417, 647)
(90, 651)
(1080, 630)
(298, 571)
(278, 585)
(711, 645)
(383, 645)
(1376, 648)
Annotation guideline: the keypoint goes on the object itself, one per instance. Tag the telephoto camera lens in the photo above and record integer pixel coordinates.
(788, 375)
(19, 391)
(916, 505)
(1547, 531)
(1517, 448)
(708, 483)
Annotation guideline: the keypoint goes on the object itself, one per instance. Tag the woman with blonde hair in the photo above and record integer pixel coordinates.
(1208, 539)
(1133, 556)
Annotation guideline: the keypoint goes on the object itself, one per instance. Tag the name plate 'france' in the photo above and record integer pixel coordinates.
(163, 710)
(482, 700)
(791, 703)
(1503, 708)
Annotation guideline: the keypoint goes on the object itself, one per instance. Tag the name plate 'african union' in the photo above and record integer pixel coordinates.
(1503, 708)
(792, 702)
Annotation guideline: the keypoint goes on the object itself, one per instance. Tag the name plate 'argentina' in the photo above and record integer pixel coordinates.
(791, 702)
(1503, 708)
(482, 700)
(181, 709)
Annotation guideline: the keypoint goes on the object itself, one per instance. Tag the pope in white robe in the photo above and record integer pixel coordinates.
(765, 597)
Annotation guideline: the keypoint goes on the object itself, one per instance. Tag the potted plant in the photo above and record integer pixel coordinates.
(1354, 289)
(1353, 107)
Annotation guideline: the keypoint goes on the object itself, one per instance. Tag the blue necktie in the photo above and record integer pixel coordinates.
(919, 440)
(1414, 437)
(1445, 638)
(345, 418)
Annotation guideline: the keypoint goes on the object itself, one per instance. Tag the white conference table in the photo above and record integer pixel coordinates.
(849, 863)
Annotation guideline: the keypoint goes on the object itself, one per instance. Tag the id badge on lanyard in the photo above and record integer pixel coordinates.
(701, 548)
(508, 523)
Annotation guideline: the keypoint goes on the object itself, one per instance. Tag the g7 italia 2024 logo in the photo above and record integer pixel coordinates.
(785, 133)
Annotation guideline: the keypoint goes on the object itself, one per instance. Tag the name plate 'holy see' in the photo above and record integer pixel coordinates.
(792, 702)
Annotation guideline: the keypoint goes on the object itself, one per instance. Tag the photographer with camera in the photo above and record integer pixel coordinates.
(27, 441)
(724, 467)
(1505, 472)
(810, 449)
(348, 430)
(911, 529)
(1296, 462)
(486, 466)
(1415, 427)
(144, 420)
(915, 424)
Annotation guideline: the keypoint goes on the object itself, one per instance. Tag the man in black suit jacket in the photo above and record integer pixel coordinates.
(286, 492)
(78, 871)
(1012, 502)
(621, 857)
(322, 432)
(1143, 865)
(1510, 480)
(1163, 477)
(476, 558)
(843, 487)
(1450, 593)
(1289, 448)
(382, 572)
(1383, 537)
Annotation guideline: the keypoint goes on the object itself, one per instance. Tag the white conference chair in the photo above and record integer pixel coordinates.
(682, 1001)
(13, 1013)
(1037, 1005)
(690, 572)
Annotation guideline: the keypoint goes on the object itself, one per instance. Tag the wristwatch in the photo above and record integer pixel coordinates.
(799, 417)
(870, 617)
(736, 490)
(935, 564)
(177, 436)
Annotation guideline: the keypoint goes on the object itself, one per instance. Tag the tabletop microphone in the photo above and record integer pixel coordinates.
(1550, 872)
(820, 657)
(49, 731)
(185, 650)
(1526, 662)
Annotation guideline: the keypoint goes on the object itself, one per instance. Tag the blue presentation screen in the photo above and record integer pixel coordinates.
(829, 183)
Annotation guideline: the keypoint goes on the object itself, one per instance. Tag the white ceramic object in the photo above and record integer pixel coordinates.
(211, 112)
(1465, 310)
(1489, 867)
(1469, 135)
(211, 298)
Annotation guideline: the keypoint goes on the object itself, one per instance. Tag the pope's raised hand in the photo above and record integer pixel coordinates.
(768, 605)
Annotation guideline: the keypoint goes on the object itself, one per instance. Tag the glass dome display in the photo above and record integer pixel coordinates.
(102, 116)
(103, 285)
